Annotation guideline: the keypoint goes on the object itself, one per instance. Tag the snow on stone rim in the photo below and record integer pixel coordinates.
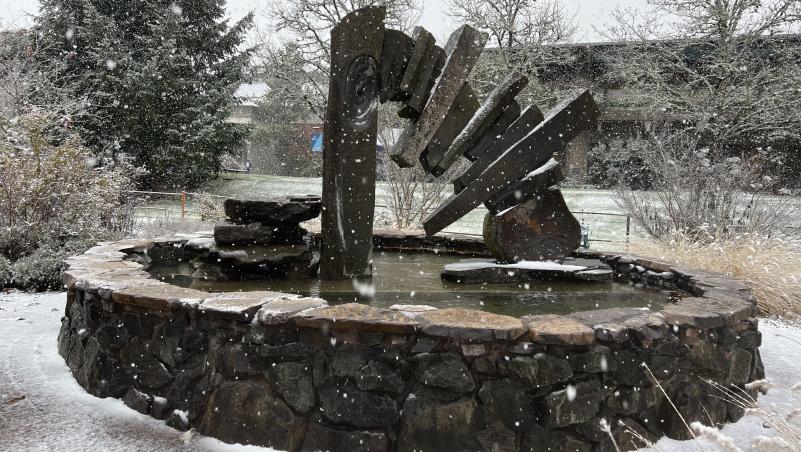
(476, 264)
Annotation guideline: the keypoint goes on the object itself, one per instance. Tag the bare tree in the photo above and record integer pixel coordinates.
(703, 195)
(302, 58)
(523, 37)
(718, 67)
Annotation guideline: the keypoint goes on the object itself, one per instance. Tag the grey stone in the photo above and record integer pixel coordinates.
(463, 49)
(469, 324)
(540, 370)
(287, 211)
(349, 160)
(347, 405)
(249, 412)
(396, 53)
(227, 232)
(575, 404)
(420, 60)
(509, 402)
(434, 60)
(237, 360)
(539, 229)
(432, 425)
(599, 359)
(320, 438)
(498, 128)
(161, 408)
(294, 382)
(281, 310)
(492, 108)
(629, 370)
(631, 400)
(463, 108)
(446, 371)
(529, 118)
(144, 368)
(496, 439)
(531, 186)
(138, 401)
(378, 376)
(566, 121)
(539, 439)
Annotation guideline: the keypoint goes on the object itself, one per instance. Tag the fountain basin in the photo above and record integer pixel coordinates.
(298, 372)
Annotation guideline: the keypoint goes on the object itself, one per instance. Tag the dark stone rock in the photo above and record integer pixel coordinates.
(507, 400)
(378, 376)
(749, 339)
(249, 412)
(463, 49)
(631, 435)
(485, 365)
(421, 60)
(463, 108)
(690, 396)
(138, 401)
(433, 61)
(539, 439)
(323, 439)
(431, 425)
(499, 126)
(396, 53)
(237, 360)
(347, 361)
(425, 344)
(572, 405)
(631, 400)
(446, 371)
(539, 229)
(144, 368)
(349, 160)
(598, 359)
(492, 108)
(296, 350)
(741, 364)
(294, 382)
(529, 118)
(540, 370)
(178, 420)
(496, 439)
(548, 175)
(227, 232)
(289, 211)
(161, 408)
(566, 121)
(629, 370)
(345, 404)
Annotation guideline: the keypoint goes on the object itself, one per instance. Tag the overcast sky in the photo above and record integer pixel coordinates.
(589, 14)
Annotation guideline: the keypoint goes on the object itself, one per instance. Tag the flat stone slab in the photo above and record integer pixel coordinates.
(707, 313)
(264, 254)
(274, 212)
(535, 183)
(471, 271)
(463, 49)
(396, 53)
(240, 306)
(227, 232)
(562, 124)
(469, 324)
(558, 330)
(355, 316)
(161, 297)
(282, 309)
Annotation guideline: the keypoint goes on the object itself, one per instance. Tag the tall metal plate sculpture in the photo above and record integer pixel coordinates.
(349, 155)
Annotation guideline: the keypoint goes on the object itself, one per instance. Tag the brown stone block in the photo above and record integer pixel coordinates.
(472, 325)
(161, 297)
(560, 330)
(355, 316)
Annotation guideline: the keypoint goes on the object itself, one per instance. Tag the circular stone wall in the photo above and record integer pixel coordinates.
(293, 373)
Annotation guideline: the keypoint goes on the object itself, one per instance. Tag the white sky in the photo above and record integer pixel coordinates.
(589, 14)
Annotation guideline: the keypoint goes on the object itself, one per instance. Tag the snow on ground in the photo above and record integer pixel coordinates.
(56, 413)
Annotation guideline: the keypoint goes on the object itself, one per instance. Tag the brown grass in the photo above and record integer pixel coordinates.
(770, 266)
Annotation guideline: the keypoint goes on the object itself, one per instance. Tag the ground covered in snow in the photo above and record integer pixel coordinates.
(42, 408)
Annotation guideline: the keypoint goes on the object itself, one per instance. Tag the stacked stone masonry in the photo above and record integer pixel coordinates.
(295, 374)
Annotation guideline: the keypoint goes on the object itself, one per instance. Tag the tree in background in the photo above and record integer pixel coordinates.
(523, 34)
(302, 60)
(721, 70)
(158, 78)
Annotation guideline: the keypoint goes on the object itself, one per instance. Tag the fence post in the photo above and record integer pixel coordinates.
(183, 205)
(628, 228)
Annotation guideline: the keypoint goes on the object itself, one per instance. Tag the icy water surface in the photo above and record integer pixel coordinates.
(415, 279)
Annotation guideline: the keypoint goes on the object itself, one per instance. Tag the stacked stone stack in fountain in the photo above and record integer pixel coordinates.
(510, 146)
(258, 239)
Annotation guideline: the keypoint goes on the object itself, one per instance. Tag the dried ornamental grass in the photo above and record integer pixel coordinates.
(770, 266)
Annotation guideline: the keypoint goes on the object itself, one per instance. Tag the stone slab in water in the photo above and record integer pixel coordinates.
(563, 123)
(227, 232)
(463, 49)
(395, 55)
(529, 187)
(529, 118)
(349, 157)
(492, 108)
(478, 271)
(540, 229)
(463, 108)
(291, 210)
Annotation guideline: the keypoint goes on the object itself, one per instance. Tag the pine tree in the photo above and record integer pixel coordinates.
(157, 77)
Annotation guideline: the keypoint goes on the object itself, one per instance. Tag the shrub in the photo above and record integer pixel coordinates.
(6, 274)
(52, 189)
(40, 270)
(619, 162)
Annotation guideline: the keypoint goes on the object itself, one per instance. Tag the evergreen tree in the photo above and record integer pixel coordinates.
(158, 77)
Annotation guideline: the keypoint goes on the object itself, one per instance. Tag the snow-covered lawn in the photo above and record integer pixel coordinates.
(56, 414)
